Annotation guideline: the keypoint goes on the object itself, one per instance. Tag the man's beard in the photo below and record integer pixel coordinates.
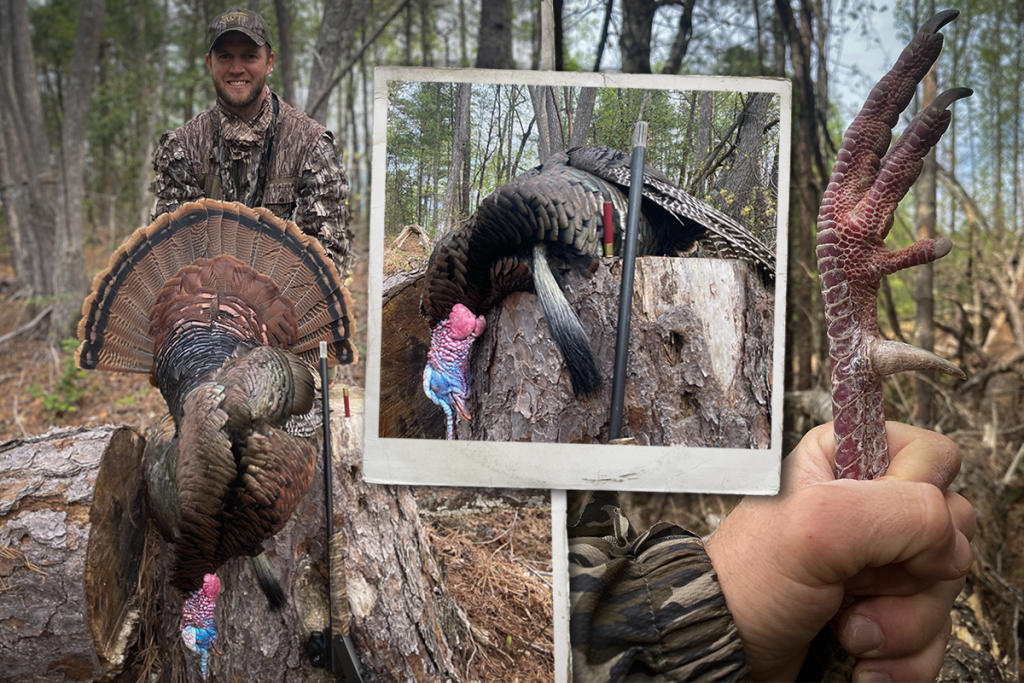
(246, 99)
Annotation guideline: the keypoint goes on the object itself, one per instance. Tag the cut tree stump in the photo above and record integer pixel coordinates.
(404, 625)
(46, 492)
(699, 371)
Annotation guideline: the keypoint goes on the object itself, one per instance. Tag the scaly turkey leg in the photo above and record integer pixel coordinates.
(855, 217)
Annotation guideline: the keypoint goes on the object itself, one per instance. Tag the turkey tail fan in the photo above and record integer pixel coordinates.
(116, 316)
(565, 327)
(268, 582)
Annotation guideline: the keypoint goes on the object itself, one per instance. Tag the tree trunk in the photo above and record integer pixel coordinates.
(285, 59)
(705, 142)
(584, 114)
(804, 347)
(148, 134)
(425, 57)
(405, 411)
(605, 22)
(924, 296)
(635, 41)
(549, 124)
(404, 625)
(341, 17)
(48, 483)
(68, 256)
(27, 149)
(744, 181)
(686, 384)
(697, 373)
(494, 44)
(682, 40)
(460, 150)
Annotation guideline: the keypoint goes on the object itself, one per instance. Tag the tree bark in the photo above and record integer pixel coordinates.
(460, 150)
(682, 40)
(285, 57)
(584, 114)
(405, 411)
(148, 134)
(27, 150)
(605, 22)
(494, 44)
(686, 384)
(698, 371)
(744, 182)
(549, 123)
(48, 483)
(404, 625)
(809, 174)
(635, 41)
(69, 256)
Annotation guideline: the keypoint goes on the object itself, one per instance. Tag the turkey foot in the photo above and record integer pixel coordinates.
(868, 181)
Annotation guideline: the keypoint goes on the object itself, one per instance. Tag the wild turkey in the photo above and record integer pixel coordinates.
(867, 184)
(225, 308)
(554, 211)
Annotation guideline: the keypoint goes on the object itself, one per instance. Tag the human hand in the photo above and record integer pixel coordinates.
(900, 544)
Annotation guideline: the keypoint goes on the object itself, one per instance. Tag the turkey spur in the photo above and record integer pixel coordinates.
(555, 211)
(224, 307)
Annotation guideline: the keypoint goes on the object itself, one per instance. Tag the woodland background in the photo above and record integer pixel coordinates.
(87, 88)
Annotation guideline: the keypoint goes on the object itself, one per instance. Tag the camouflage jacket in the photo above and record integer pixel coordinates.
(217, 155)
(647, 607)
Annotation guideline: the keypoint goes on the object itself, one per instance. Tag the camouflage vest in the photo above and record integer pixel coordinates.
(295, 137)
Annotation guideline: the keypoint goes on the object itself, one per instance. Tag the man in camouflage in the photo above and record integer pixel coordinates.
(252, 147)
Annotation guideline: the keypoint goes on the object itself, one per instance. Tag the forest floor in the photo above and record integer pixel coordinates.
(497, 558)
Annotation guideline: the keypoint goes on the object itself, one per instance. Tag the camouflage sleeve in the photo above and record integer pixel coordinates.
(646, 608)
(175, 183)
(321, 203)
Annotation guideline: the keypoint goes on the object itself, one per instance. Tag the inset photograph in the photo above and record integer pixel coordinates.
(526, 298)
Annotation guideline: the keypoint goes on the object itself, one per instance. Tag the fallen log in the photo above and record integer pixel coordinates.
(46, 492)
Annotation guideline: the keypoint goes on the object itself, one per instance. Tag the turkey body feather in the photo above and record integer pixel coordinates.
(555, 212)
(224, 307)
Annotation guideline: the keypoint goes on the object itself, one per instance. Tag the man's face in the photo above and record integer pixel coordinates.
(239, 68)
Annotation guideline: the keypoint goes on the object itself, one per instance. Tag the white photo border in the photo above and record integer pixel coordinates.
(431, 462)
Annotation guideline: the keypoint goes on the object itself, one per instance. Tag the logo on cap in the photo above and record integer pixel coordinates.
(237, 19)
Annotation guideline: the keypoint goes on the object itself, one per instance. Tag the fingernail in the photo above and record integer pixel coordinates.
(962, 554)
(862, 635)
(871, 677)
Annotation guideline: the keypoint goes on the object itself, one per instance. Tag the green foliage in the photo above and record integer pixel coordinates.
(69, 388)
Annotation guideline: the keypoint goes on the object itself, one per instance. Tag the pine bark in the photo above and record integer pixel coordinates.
(698, 367)
(47, 483)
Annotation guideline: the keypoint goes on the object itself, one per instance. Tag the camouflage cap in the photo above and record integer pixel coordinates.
(243, 20)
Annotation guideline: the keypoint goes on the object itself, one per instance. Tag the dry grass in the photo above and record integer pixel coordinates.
(498, 567)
